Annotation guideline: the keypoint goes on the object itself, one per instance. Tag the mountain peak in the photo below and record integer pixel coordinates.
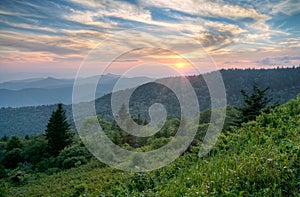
(51, 78)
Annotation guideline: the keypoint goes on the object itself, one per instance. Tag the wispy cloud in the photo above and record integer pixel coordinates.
(56, 32)
(283, 60)
(207, 8)
(288, 7)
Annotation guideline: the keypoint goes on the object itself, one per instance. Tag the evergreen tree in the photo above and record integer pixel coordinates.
(254, 103)
(58, 131)
(14, 142)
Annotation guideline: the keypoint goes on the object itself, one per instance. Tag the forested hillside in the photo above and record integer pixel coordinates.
(258, 158)
(284, 85)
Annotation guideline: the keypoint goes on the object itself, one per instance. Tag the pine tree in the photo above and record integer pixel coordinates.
(14, 142)
(58, 131)
(254, 103)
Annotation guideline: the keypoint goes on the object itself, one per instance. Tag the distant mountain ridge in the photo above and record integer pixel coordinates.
(52, 82)
(284, 85)
(34, 83)
(44, 91)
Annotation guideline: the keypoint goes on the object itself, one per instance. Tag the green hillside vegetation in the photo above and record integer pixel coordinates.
(258, 158)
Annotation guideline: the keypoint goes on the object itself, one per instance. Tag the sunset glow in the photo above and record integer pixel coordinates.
(180, 65)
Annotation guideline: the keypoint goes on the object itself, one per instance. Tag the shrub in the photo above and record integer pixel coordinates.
(17, 176)
(73, 162)
(72, 157)
(12, 158)
(45, 164)
(3, 172)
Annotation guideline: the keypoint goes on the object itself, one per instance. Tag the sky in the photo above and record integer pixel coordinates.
(145, 37)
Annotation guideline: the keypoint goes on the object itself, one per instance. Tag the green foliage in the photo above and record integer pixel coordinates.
(14, 142)
(12, 158)
(18, 176)
(35, 149)
(79, 190)
(140, 182)
(45, 163)
(73, 156)
(86, 180)
(156, 143)
(260, 158)
(58, 131)
(3, 172)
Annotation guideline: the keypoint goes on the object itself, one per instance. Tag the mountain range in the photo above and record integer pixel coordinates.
(45, 91)
(284, 84)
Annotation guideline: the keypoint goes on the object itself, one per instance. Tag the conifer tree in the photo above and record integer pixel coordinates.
(58, 131)
(254, 103)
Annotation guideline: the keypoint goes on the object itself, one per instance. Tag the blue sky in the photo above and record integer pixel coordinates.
(53, 37)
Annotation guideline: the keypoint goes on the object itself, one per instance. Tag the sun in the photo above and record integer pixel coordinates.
(180, 65)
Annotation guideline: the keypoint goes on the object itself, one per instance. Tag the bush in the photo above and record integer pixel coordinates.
(45, 164)
(73, 162)
(73, 156)
(52, 170)
(3, 172)
(79, 190)
(18, 176)
(35, 149)
(12, 158)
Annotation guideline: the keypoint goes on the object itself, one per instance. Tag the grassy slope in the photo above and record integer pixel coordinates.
(259, 159)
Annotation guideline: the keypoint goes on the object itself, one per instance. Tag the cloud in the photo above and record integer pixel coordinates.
(28, 27)
(125, 60)
(88, 3)
(291, 42)
(88, 18)
(63, 46)
(70, 29)
(288, 7)
(283, 60)
(28, 57)
(207, 8)
(210, 40)
(104, 9)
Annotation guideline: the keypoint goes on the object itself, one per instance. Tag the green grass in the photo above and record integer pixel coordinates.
(259, 159)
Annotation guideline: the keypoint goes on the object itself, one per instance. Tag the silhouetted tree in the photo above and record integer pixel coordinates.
(254, 103)
(58, 131)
